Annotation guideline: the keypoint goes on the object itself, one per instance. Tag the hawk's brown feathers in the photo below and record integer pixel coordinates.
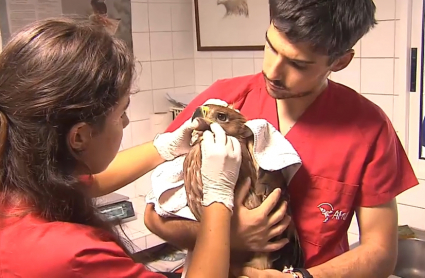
(263, 183)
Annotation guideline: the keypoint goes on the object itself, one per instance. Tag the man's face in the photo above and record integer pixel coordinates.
(293, 70)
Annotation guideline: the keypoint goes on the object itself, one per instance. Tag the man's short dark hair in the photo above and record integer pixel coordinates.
(331, 27)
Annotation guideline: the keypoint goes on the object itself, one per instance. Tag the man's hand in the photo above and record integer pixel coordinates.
(253, 229)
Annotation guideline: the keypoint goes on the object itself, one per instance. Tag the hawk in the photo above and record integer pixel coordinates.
(235, 7)
(100, 16)
(263, 183)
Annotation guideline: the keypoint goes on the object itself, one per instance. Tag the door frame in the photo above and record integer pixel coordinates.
(414, 40)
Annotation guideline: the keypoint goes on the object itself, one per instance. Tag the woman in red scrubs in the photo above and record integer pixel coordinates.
(64, 90)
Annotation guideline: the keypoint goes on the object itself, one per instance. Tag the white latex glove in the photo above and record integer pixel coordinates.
(221, 161)
(173, 144)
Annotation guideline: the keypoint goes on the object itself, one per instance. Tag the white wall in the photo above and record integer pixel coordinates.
(163, 46)
(213, 65)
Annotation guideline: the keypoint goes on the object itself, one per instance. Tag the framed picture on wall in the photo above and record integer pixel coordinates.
(115, 15)
(231, 25)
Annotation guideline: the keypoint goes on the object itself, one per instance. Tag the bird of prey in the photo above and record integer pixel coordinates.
(235, 7)
(100, 15)
(263, 183)
(99, 7)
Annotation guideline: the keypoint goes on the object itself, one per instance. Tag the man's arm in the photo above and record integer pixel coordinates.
(375, 257)
(177, 231)
(387, 173)
(377, 254)
(251, 229)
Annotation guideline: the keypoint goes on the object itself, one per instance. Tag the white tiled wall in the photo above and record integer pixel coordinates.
(162, 41)
(213, 65)
(163, 47)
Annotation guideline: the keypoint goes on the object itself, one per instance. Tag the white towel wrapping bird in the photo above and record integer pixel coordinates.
(272, 151)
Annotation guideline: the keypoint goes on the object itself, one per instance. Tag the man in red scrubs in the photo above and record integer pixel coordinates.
(353, 161)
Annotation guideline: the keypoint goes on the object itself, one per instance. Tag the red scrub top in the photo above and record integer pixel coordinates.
(350, 152)
(33, 248)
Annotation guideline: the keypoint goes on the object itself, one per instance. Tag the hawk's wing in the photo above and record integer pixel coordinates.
(193, 180)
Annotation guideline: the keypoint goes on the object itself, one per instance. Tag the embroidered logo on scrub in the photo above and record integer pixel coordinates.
(329, 212)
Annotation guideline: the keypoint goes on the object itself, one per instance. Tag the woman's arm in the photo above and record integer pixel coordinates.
(212, 244)
(127, 166)
(221, 160)
(135, 162)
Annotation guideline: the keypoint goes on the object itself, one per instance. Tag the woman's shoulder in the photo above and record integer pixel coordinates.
(48, 246)
(60, 249)
(32, 231)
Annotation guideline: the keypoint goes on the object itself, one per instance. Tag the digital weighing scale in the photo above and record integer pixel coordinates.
(116, 206)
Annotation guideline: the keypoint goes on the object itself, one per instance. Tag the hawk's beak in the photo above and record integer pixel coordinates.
(200, 112)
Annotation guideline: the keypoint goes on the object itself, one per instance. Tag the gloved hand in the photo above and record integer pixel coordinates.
(173, 144)
(221, 161)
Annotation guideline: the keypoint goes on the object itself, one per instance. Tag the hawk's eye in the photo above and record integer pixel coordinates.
(222, 117)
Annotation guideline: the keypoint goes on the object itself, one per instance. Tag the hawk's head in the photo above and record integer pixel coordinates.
(228, 118)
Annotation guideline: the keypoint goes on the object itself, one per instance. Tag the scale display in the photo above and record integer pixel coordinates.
(122, 210)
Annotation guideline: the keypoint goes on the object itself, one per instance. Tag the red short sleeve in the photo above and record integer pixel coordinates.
(32, 247)
(86, 179)
(106, 259)
(388, 171)
(221, 89)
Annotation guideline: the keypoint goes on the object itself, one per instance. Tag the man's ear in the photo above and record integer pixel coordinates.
(343, 61)
(79, 137)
